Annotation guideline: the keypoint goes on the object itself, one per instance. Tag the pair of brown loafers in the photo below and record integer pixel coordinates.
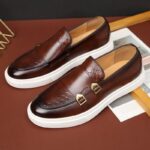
(97, 76)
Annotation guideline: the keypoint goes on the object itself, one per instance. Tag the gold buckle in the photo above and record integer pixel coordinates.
(95, 87)
(80, 99)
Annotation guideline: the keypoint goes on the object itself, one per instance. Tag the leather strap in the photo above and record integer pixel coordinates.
(89, 74)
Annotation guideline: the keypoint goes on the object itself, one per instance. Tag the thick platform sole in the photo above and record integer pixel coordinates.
(89, 114)
(56, 74)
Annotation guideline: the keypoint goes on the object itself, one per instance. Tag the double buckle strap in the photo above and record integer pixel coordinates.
(80, 98)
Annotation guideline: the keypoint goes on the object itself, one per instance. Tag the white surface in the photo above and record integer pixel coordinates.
(127, 110)
(89, 114)
(54, 75)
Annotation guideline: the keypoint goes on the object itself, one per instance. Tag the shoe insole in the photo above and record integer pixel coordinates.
(82, 36)
(113, 68)
(86, 29)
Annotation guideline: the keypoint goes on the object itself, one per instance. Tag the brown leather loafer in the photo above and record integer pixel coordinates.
(60, 53)
(87, 89)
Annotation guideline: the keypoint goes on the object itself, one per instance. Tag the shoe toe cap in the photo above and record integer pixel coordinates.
(14, 72)
(37, 110)
(40, 109)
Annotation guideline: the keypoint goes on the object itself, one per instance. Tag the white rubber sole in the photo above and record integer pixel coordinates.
(89, 114)
(56, 74)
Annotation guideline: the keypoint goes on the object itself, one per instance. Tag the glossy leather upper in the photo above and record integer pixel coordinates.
(60, 99)
(41, 55)
(55, 52)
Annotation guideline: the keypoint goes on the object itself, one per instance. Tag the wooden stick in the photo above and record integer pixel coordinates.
(139, 95)
(129, 21)
(143, 99)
